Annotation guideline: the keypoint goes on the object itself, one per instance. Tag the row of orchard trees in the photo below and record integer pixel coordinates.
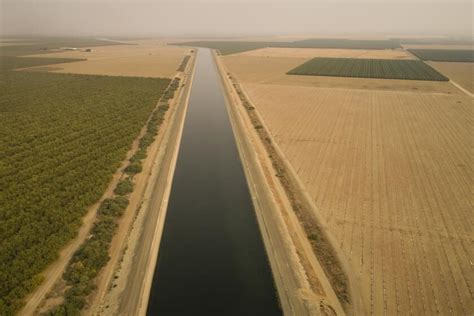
(62, 137)
(93, 254)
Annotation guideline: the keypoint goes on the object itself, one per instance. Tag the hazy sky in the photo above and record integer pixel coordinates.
(235, 17)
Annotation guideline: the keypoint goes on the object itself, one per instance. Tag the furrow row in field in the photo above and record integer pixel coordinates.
(390, 174)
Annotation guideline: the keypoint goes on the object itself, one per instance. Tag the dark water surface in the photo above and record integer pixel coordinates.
(211, 260)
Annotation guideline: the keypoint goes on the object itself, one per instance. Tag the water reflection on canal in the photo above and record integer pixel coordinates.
(211, 259)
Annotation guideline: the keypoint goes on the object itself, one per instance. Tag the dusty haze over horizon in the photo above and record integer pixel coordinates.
(235, 17)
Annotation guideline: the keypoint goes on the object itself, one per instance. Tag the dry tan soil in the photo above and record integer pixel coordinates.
(266, 70)
(389, 167)
(147, 58)
(461, 73)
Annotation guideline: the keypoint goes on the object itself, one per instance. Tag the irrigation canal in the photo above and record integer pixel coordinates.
(212, 260)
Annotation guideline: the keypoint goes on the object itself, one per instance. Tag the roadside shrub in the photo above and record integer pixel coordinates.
(139, 155)
(113, 207)
(134, 168)
(182, 66)
(124, 187)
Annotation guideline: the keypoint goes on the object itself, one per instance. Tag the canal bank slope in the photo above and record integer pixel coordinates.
(212, 260)
(129, 289)
(303, 287)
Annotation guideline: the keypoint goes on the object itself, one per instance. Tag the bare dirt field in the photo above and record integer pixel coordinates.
(388, 166)
(461, 73)
(147, 58)
(328, 52)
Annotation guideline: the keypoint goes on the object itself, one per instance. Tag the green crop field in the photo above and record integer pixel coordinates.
(62, 137)
(457, 55)
(368, 68)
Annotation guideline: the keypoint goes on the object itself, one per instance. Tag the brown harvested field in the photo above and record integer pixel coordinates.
(327, 52)
(250, 69)
(461, 73)
(145, 59)
(390, 171)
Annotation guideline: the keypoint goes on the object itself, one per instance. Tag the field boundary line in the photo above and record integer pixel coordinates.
(457, 85)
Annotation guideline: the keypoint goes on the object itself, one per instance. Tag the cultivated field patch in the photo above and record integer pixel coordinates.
(368, 68)
(439, 46)
(13, 62)
(437, 41)
(456, 55)
(250, 69)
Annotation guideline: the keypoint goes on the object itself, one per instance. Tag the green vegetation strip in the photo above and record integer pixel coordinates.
(233, 47)
(368, 68)
(93, 255)
(458, 55)
(62, 137)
